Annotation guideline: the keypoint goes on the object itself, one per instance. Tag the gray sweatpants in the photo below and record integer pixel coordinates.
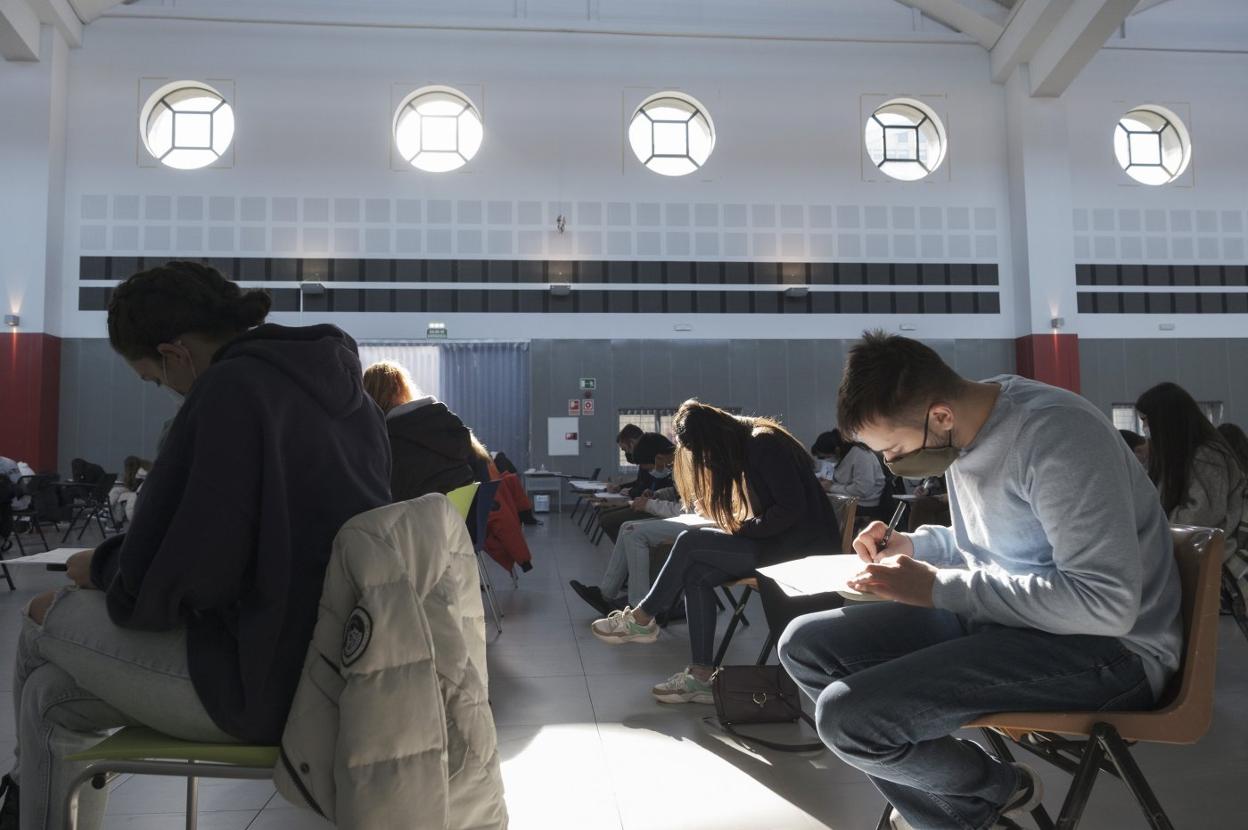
(78, 677)
(630, 559)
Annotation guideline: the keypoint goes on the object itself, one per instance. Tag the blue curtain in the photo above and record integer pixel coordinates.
(487, 385)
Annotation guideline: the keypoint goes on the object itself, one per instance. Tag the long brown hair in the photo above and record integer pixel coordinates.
(710, 460)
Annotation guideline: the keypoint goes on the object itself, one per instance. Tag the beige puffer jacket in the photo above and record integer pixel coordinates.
(391, 724)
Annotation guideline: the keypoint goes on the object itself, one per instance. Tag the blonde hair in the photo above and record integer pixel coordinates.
(479, 448)
(389, 385)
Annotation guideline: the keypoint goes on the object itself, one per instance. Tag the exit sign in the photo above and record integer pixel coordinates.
(589, 384)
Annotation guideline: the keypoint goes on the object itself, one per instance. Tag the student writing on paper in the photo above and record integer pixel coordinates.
(651, 478)
(753, 478)
(197, 620)
(1055, 588)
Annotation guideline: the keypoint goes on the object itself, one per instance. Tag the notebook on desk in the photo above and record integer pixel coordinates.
(53, 560)
(819, 575)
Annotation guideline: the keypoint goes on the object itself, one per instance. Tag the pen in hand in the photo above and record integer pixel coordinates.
(892, 523)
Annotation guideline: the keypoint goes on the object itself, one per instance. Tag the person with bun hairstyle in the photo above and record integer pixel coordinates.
(757, 483)
(196, 621)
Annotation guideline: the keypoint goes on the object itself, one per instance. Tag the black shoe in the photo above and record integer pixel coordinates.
(9, 815)
(527, 517)
(525, 567)
(592, 594)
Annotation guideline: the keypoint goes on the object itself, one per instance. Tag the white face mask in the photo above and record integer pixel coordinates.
(177, 396)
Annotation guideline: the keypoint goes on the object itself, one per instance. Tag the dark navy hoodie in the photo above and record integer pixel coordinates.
(275, 447)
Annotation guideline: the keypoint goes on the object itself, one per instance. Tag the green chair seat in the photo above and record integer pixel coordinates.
(462, 498)
(135, 743)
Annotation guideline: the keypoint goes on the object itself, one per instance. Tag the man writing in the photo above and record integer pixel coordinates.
(1055, 588)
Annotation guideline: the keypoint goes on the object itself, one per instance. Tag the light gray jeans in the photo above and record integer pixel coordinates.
(630, 559)
(78, 677)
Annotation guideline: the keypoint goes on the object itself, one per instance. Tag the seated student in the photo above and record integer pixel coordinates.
(1055, 589)
(197, 620)
(1196, 470)
(430, 447)
(1138, 444)
(626, 440)
(860, 475)
(753, 478)
(630, 558)
(504, 538)
(826, 451)
(124, 494)
(644, 449)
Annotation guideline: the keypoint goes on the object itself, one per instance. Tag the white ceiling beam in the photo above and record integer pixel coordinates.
(89, 10)
(1076, 39)
(976, 24)
(19, 31)
(1030, 25)
(61, 16)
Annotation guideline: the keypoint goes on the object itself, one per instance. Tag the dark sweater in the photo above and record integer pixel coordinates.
(792, 514)
(432, 450)
(275, 447)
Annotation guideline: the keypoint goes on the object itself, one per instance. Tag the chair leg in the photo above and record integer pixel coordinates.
(765, 652)
(737, 613)
(488, 587)
(192, 803)
(1120, 754)
(1002, 749)
(1235, 598)
(1081, 786)
(883, 823)
(7, 576)
(732, 603)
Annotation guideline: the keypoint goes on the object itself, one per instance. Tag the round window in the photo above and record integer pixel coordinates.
(186, 125)
(905, 139)
(437, 129)
(672, 134)
(1152, 145)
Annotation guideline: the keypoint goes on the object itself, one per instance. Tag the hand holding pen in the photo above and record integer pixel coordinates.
(877, 541)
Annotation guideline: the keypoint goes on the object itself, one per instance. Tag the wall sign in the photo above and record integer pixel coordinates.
(587, 407)
(589, 384)
(574, 407)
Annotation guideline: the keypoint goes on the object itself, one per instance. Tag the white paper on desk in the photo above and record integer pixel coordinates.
(612, 497)
(692, 520)
(592, 486)
(818, 575)
(59, 556)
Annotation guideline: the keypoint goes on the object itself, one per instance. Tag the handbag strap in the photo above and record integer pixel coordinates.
(811, 746)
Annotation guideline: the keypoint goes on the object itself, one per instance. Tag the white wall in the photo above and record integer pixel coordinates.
(312, 170)
(314, 107)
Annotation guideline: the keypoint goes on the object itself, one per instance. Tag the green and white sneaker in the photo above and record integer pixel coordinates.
(620, 627)
(683, 687)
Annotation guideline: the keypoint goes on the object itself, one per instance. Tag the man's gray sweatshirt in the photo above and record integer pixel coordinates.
(1057, 527)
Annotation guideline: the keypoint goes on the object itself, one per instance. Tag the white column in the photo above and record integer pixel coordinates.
(1040, 208)
(32, 198)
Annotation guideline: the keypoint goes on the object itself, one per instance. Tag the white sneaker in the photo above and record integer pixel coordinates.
(1026, 796)
(896, 822)
(621, 627)
(683, 687)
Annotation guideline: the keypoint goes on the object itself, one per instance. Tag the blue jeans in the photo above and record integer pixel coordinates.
(701, 560)
(891, 683)
(79, 676)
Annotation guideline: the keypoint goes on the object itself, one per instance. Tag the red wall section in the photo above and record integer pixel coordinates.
(1050, 358)
(30, 395)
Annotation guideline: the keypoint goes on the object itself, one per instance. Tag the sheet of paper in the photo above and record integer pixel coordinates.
(818, 575)
(692, 520)
(589, 486)
(620, 497)
(56, 557)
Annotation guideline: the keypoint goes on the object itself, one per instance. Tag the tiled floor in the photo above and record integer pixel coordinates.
(585, 748)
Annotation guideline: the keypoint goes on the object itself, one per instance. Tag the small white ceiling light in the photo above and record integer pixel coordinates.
(905, 139)
(186, 125)
(1152, 145)
(437, 129)
(671, 134)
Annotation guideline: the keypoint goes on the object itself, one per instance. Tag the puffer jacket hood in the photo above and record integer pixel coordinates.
(323, 360)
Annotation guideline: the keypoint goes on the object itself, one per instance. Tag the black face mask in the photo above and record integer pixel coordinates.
(925, 461)
(628, 456)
